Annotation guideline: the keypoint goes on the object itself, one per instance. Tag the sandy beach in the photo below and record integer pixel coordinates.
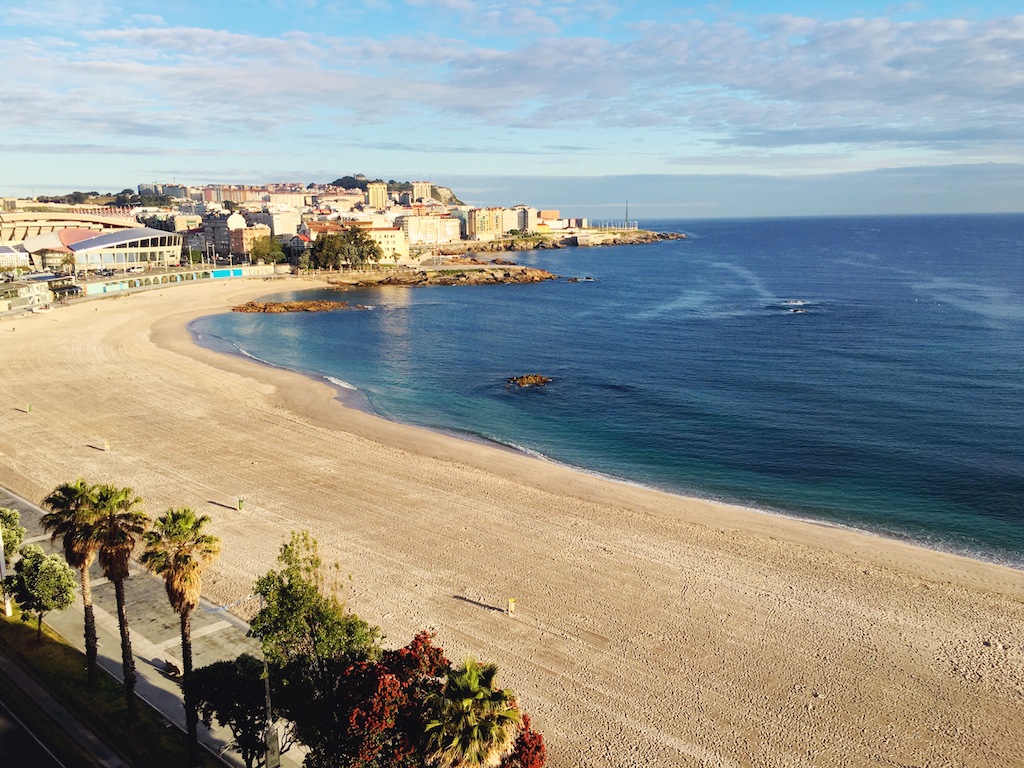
(651, 629)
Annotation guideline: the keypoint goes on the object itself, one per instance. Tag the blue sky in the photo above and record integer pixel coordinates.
(722, 109)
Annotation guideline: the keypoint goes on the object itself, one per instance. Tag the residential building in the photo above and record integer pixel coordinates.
(283, 221)
(217, 228)
(377, 195)
(486, 223)
(421, 190)
(422, 230)
(243, 238)
(526, 218)
(393, 242)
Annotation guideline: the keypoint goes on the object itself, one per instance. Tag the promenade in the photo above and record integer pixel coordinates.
(155, 630)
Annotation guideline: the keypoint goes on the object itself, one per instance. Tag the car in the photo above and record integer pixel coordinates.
(136, 270)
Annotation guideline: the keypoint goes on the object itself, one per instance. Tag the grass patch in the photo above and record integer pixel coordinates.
(151, 741)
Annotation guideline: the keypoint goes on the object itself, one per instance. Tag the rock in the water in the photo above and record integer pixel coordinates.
(293, 306)
(529, 380)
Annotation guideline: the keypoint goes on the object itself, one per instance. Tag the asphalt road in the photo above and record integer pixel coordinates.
(19, 747)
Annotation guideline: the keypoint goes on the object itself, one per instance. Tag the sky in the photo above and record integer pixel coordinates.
(690, 111)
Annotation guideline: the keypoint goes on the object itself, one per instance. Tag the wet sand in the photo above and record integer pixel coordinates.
(650, 629)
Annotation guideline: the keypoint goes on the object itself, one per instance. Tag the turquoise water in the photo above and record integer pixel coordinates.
(862, 371)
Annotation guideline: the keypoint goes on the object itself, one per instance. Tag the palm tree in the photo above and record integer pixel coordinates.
(71, 515)
(473, 723)
(117, 527)
(178, 550)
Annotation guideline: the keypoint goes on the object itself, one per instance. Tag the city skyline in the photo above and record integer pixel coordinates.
(738, 109)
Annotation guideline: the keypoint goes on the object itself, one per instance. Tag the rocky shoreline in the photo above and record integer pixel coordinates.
(456, 272)
(277, 307)
(587, 239)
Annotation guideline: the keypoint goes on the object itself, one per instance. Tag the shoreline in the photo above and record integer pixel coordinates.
(781, 641)
(350, 396)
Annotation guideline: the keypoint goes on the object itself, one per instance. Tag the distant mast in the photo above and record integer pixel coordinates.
(627, 214)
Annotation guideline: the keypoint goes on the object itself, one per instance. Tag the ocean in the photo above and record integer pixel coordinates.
(859, 371)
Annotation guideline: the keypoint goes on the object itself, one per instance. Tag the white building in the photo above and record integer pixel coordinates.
(422, 230)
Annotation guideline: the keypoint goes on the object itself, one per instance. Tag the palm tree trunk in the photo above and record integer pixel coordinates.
(91, 644)
(127, 659)
(191, 716)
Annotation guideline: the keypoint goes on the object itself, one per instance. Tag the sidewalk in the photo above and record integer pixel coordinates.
(156, 636)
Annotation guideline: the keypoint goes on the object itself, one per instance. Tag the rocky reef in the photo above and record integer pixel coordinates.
(474, 273)
(275, 307)
(528, 380)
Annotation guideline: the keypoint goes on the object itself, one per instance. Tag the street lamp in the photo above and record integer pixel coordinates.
(271, 737)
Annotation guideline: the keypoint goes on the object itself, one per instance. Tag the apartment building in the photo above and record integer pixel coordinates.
(421, 190)
(242, 239)
(377, 195)
(423, 230)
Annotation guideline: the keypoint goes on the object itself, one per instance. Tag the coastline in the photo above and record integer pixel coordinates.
(625, 593)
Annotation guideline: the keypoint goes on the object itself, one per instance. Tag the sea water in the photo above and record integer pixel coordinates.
(863, 371)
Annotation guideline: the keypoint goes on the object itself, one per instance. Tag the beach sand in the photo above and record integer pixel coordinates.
(650, 630)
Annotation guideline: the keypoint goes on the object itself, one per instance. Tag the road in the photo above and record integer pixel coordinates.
(18, 746)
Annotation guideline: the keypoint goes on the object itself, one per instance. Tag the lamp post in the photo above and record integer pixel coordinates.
(271, 737)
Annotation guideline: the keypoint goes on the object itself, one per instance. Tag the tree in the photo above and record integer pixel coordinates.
(72, 513)
(13, 533)
(117, 528)
(178, 550)
(11, 536)
(301, 616)
(42, 583)
(351, 247)
(363, 713)
(473, 723)
(529, 751)
(324, 654)
(268, 249)
(234, 693)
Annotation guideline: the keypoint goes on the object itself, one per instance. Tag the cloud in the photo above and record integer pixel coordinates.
(104, 149)
(762, 83)
(58, 14)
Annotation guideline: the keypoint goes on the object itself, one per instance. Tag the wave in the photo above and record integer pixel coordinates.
(342, 383)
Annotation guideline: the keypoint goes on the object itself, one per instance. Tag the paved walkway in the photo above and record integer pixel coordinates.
(156, 636)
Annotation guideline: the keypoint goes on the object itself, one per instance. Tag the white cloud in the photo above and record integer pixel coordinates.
(764, 83)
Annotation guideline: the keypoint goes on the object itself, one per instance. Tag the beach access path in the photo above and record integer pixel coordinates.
(650, 629)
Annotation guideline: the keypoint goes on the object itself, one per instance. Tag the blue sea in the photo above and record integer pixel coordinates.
(860, 371)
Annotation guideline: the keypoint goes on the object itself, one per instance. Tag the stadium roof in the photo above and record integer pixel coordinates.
(111, 239)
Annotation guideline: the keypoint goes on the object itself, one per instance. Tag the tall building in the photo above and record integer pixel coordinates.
(489, 223)
(377, 195)
(421, 190)
(242, 239)
(218, 228)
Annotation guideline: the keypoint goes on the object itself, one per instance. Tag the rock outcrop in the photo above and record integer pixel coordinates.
(528, 380)
(275, 307)
(585, 238)
(477, 273)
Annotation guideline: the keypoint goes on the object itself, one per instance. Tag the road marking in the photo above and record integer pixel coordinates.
(217, 626)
